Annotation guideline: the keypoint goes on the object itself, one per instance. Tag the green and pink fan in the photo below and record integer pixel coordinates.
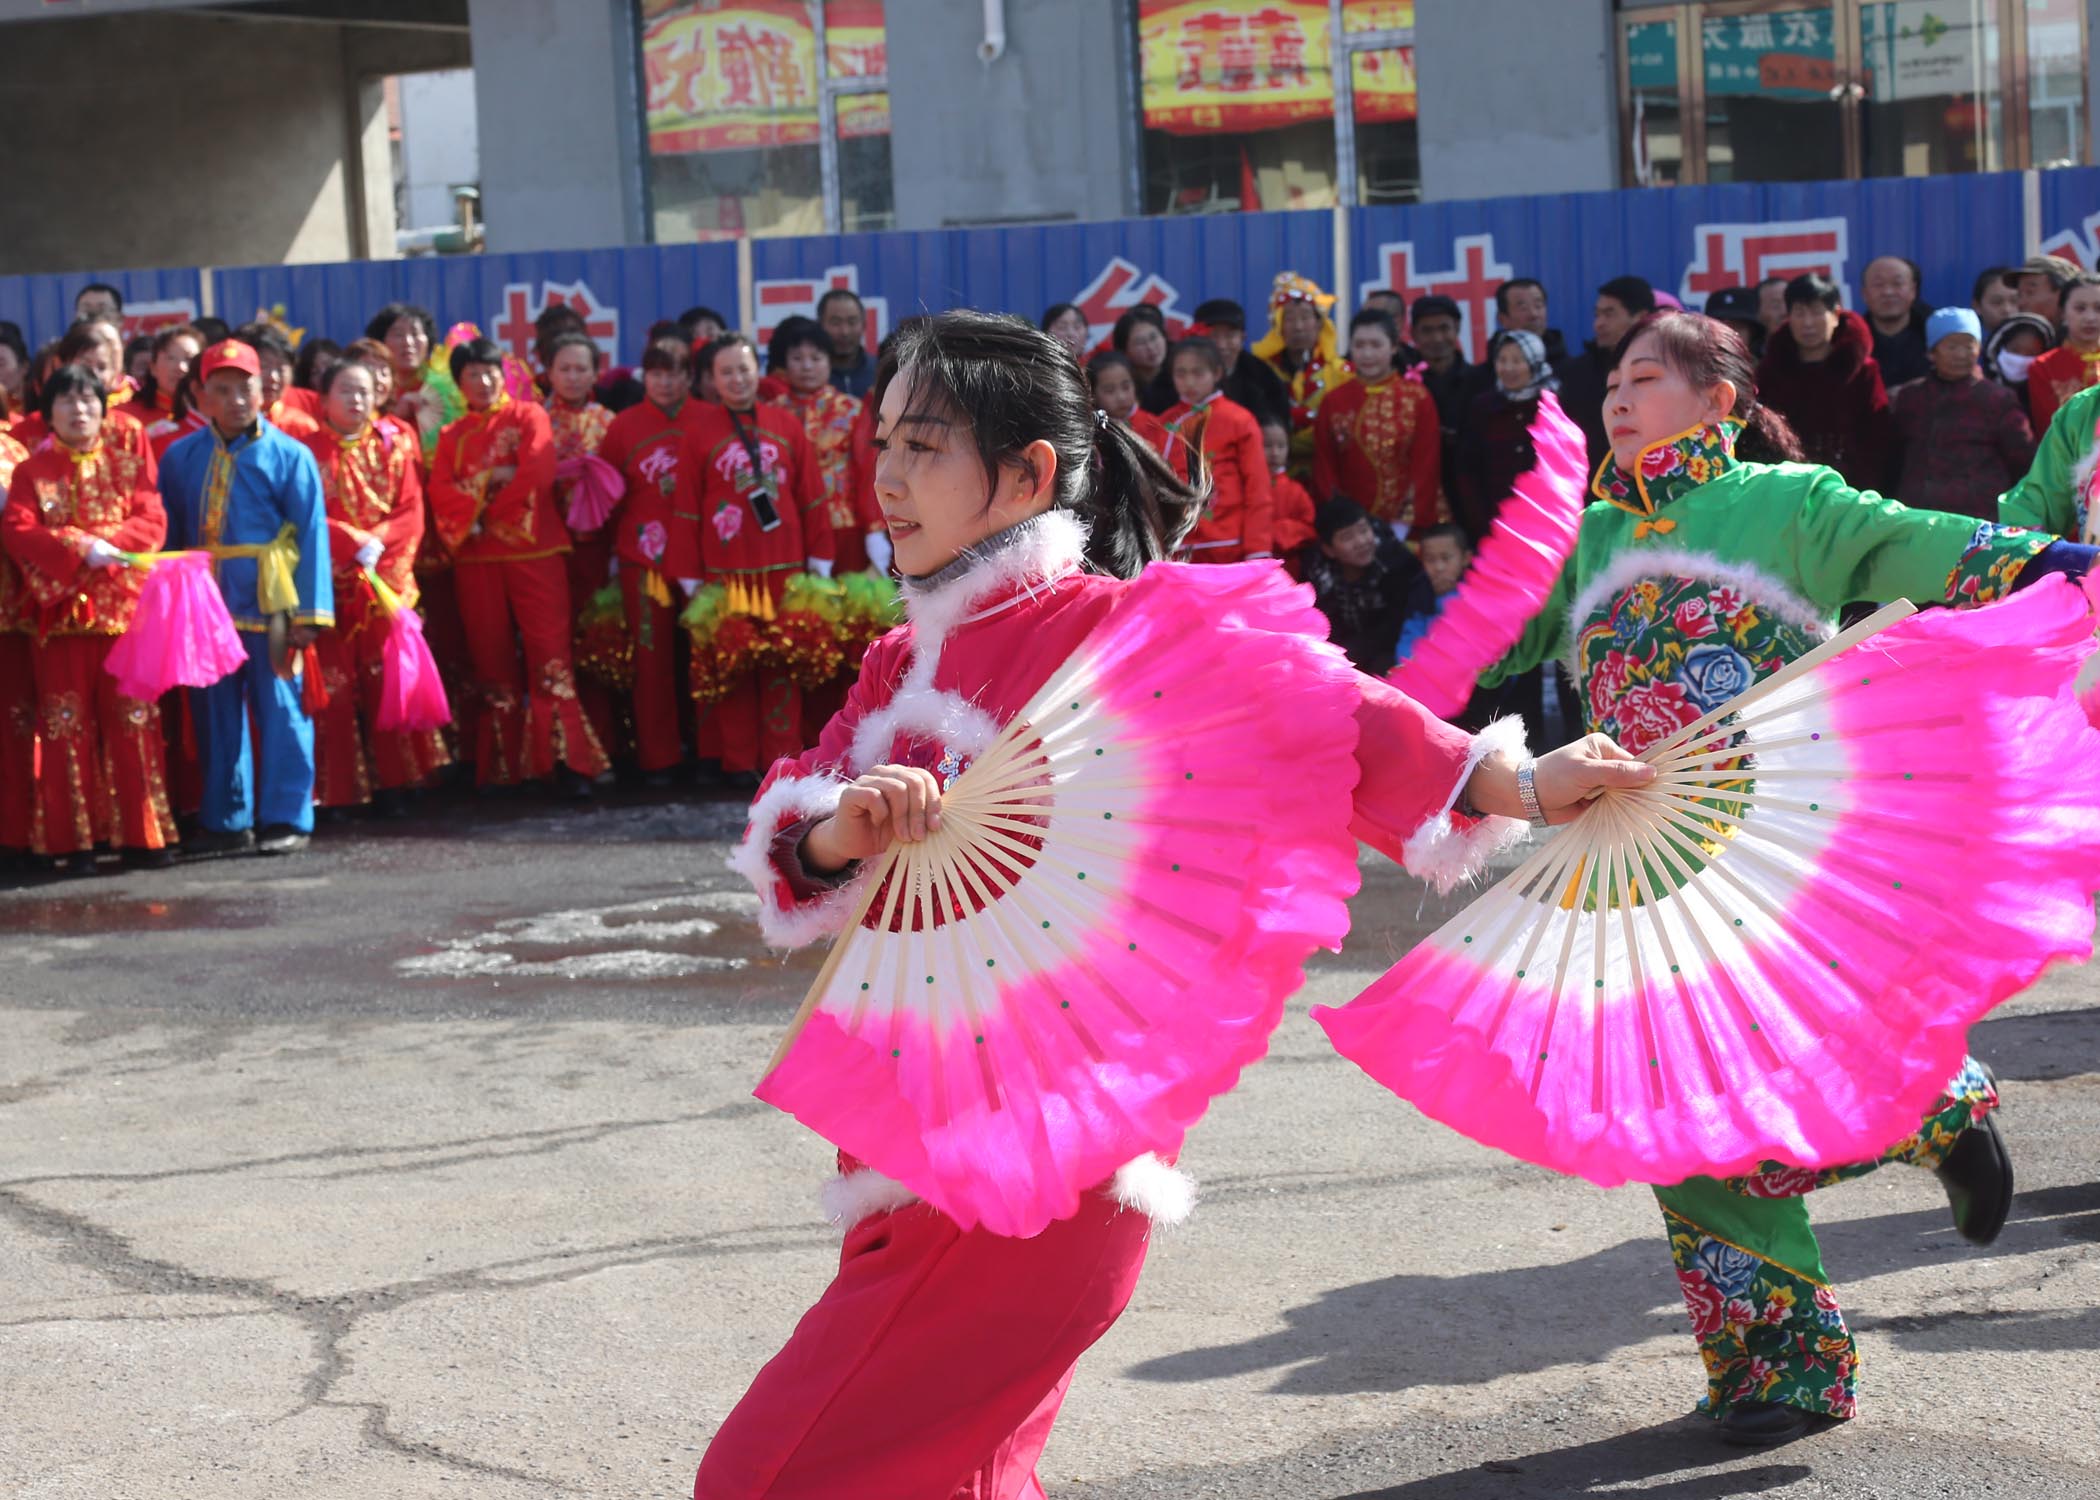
(1123, 892)
(1775, 950)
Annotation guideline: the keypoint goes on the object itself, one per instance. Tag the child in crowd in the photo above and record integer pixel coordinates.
(1445, 556)
(2068, 369)
(1213, 437)
(1362, 577)
(1114, 380)
(1292, 505)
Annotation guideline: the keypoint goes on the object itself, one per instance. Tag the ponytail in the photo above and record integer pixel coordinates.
(1012, 385)
(1136, 508)
(1766, 438)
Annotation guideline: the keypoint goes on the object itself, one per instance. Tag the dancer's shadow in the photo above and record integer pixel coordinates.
(2039, 1045)
(1409, 1331)
(1607, 1466)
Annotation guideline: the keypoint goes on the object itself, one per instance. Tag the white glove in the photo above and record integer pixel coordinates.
(101, 554)
(369, 554)
(689, 586)
(821, 566)
(880, 551)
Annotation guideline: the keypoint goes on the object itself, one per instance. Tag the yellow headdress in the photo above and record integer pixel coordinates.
(1290, 287)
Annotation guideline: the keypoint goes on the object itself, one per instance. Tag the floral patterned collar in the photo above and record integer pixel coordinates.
(1667, 471)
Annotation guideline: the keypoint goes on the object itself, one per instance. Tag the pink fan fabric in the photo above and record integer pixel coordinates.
(181, 634)
(1962, 862)
(1513, 575)
(1117, 1049)
(594, 490)
(411, 695)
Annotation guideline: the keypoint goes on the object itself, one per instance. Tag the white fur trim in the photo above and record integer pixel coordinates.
(791, 799)
(917, 707)
(1754, 584)
(1165, 1195)
(850, 1197)
(1442, 853)
(2082, 471)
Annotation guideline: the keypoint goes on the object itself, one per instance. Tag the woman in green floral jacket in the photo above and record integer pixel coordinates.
(1700, 573)
(2061, 493)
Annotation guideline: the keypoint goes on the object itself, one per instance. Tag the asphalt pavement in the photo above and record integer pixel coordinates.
(425, 1164)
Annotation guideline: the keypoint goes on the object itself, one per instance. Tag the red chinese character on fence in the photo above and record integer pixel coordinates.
(1744, 254)
(1470, 283)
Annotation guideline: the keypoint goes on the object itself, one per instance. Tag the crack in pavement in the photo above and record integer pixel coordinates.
(328, 1320)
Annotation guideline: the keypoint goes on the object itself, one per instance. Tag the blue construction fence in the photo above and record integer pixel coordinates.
(1688, 241)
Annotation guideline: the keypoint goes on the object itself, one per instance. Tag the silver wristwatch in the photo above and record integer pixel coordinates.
(1528, 793)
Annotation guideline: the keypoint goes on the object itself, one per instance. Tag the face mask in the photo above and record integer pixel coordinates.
(2014, 367)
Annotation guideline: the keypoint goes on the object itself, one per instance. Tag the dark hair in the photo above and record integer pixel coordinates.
(1813, 286)
(70, 379)
(1516, 284)
(1108, 359)
(11, 338)
(311, 353)
(1337, 514)
(715, 347)
(1380, 319)
(667, 353)
(1706, 351)
(693, 317)
(1057, 310)
(2082, 279)
(1221, 312)
(1203, 348)
(1013, 385)
(1127, 324)
(1634, 293)
(1384, 291)
(1769, 281)
(555, 318)
(213, 329)
(101, 286)
(149, 388)
(569, 338)
(792, 334)
(264, 339)
(83, 336)
(1994, 276)
(335, 372)
(41, 364)
(369, 349)
(394, 312)
(834, 294)
(474, 352)
(1434, 305)
(137, 344)
(1448, 531)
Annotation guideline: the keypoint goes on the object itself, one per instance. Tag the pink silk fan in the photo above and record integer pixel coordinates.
(1123, 892)
(180, 633)
(1775, 950)
(1513, 575)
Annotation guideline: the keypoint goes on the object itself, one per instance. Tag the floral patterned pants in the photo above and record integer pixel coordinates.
(1765, 1314)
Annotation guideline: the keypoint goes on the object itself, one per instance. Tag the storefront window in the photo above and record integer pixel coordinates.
(1930, 100)
(732, 100)
(2055, 83)
(1238, 104)
(1770, 114)
(1655, 128)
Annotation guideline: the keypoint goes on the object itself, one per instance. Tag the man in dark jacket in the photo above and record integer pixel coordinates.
(1433, 321)
(1961, 440)
(1897, 316)
(1819, 373)
(1248, 380)
(1620, 302)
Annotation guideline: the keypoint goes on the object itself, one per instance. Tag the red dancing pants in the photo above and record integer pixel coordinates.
(758, 721)
(654, 629)
(102, 775)
(530, 717)
(17, 742)
(933, 1365)
(352, 753)
(589, 564)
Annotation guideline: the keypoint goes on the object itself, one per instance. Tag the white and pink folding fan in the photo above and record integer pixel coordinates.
(1123, 892)
(1775, 950)
(1512, 575)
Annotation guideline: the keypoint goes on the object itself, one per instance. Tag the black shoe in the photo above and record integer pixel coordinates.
(149, 859)
(573, 786)
(1978, 1177)
(76, 866)
(18, 862)
(389, 804)
(209, 843)
(281, 838)
(1766, 1424)
(333, 815)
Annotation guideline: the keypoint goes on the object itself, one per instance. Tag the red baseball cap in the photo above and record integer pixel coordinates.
(229, 354)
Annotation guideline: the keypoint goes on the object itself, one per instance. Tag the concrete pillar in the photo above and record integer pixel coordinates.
(556, 109)
(1039, 134)
(1517, 97)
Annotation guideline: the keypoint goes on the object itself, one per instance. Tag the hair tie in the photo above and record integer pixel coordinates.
(1101, 419)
